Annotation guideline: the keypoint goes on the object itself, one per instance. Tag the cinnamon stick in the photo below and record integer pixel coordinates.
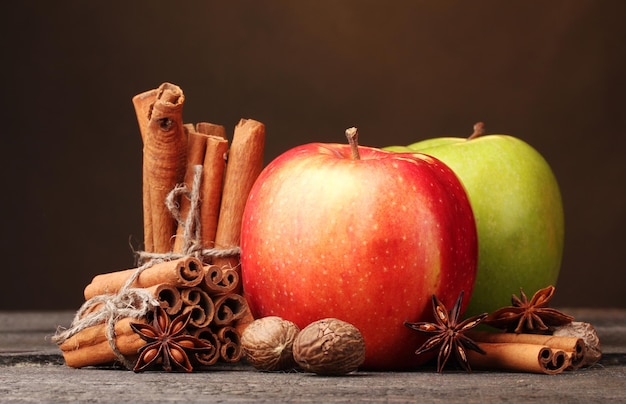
(574, 347)
(196, 149)
(218, 281)
(230, 344)
(211, 129)
(168, 297)
(143, 105)
(207, 147)
(211, 192)
(201, 306)
(518, 357)
(159, 113)
(90, 346)
(212, 356)
(184, 272)
(230, 308)
(245, 161)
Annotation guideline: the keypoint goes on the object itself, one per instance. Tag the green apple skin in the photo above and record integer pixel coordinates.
(518, 211)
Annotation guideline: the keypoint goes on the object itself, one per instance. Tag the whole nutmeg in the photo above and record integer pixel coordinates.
(329, 347)
(267, 343)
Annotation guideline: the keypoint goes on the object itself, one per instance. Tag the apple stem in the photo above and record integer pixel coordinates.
(353, 134)
(479, 130)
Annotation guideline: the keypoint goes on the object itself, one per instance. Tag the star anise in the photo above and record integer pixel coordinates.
(529, 316)
(448, 334)
(168, 343)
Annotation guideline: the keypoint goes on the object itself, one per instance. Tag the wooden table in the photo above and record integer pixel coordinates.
(32, 369)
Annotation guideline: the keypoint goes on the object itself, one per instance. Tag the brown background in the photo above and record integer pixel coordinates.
(549, 72)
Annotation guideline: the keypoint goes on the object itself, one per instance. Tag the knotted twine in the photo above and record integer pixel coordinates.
(192, 226)
(138, 302)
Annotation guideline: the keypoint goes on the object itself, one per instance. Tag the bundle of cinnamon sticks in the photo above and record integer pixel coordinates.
(180, 286)
(184, 278)
(171, 151)
(532, 353)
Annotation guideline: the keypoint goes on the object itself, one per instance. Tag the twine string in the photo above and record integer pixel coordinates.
(192, 226)
(109, 309)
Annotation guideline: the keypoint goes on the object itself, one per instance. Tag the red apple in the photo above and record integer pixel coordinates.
(360, 234)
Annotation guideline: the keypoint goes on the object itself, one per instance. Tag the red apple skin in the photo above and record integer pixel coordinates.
(366, 241)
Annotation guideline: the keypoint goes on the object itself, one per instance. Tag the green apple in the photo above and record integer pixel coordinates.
(518, 211)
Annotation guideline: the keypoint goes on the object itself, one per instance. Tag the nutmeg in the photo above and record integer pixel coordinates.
(585, 331)
(267, 343)
(329, 347)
